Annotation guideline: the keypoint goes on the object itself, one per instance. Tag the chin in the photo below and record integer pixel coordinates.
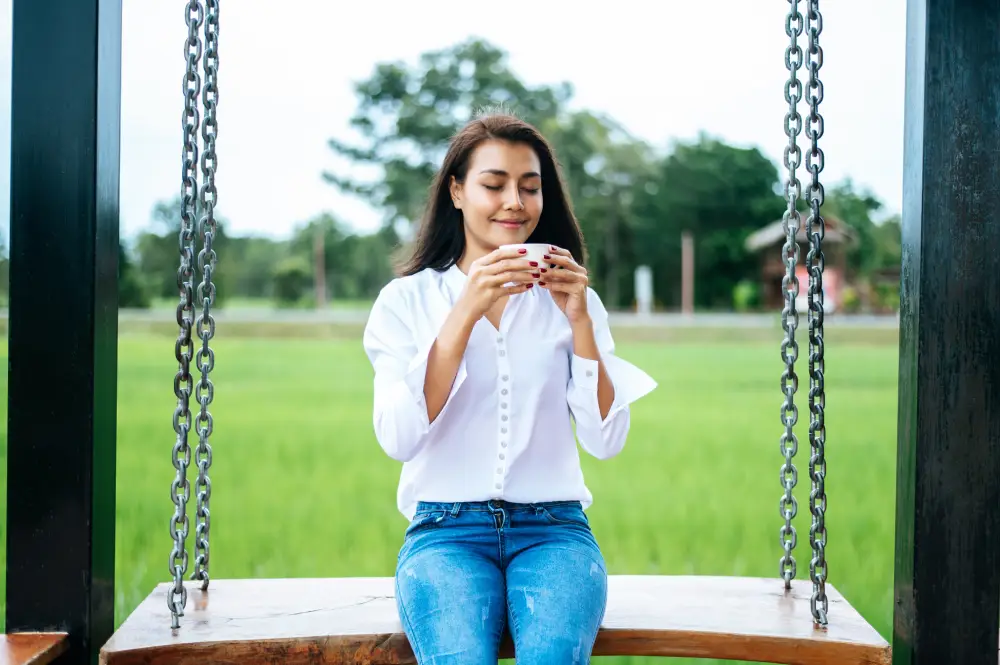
(504, 236)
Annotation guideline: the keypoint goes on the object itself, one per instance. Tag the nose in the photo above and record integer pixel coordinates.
(513, 200)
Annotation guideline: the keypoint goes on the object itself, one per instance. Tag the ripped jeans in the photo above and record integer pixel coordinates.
(468, 570)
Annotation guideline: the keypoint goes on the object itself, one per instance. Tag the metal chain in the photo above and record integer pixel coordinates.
(816, 263)
(181, 489)
(205, 390)
(788, 507)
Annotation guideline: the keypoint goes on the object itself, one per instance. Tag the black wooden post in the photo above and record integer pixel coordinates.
(63, 320)
(947, 585)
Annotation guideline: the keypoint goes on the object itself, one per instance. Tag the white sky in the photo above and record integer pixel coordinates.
(665, 70)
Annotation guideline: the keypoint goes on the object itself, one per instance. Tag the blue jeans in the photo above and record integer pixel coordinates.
(468, 570)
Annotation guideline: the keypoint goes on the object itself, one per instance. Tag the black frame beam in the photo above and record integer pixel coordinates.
(63, 326)
(947, 565)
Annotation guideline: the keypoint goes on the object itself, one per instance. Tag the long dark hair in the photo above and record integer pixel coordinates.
(440, 240)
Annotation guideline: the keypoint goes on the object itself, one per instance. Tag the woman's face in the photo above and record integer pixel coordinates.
(501, 199)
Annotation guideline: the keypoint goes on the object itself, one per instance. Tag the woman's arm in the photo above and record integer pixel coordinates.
(445, 358)
(413, 382)
(585, 346)
(602, 385)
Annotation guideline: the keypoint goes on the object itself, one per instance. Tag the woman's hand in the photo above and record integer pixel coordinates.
(489, 274)
(568, 286)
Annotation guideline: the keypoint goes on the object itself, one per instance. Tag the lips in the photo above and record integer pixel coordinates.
(509, 223)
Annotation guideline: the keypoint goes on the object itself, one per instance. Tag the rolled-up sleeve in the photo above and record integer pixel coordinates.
(402, 426)
(604, 437)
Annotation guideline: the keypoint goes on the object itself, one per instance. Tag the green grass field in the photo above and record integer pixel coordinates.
(301, 488)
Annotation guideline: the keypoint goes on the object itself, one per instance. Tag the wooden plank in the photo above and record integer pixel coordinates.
(355, 620)
(32, 648)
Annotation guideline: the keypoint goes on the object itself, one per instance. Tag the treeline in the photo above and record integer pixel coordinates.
(354, 267)
(633, 200)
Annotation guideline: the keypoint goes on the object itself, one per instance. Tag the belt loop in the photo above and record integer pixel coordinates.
(456, 508)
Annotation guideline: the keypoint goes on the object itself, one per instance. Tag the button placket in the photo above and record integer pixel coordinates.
(503, 410)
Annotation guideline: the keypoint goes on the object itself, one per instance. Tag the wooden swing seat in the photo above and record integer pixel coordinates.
(32, 648)
(348, 621)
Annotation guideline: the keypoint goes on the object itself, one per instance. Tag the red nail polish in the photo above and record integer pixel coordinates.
(534, 263)
(522, 251)
(535, 275)
(542, 283)
(530, 285)
(545, 270)
(546, 256)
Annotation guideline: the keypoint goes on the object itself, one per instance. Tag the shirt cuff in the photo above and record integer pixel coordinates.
(416, 376)
(630, 382)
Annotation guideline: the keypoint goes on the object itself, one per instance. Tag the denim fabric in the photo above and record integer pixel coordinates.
(467, 570)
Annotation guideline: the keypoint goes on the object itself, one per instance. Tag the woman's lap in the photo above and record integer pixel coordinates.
(467, 571)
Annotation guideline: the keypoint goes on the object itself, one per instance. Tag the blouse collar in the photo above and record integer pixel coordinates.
(455, 278)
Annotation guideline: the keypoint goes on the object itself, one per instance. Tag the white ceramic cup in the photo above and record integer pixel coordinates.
(535, 252)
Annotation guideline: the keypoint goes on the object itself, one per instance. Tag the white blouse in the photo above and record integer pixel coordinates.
(506, 429)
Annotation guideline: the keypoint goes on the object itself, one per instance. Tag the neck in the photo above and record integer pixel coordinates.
(472, 252)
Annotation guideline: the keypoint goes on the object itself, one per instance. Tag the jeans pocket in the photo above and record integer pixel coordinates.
(425, 519)
(566, 514)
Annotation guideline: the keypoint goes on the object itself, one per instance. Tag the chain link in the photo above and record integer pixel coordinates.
(183, 349)
(788, 507)
(205, 324)
(816, 263)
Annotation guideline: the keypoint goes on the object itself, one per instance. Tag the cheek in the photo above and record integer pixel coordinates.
(533, 204)
(483, 203)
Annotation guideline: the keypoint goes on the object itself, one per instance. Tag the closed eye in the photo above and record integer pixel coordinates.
(497, 188)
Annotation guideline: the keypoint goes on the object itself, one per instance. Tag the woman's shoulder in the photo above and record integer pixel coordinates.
(416, 282)
(595, 305)
(408, 290)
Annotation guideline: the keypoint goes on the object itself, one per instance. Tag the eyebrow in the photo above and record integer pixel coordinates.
(529, 174)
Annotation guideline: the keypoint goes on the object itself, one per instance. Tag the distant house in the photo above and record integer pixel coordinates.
(767, 244)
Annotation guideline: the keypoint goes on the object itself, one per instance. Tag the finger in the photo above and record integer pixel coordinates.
(501, 253)
(559, 251)
(517, 276)
(559, 262)
(566, 262)
(562, 287)
(518, 288)
(566, 276)
(510, 265)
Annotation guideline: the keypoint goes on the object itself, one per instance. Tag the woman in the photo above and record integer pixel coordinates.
(483, 361)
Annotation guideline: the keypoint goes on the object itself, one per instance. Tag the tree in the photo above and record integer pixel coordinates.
(292, 279)
(604, 166)
(406, 116)
(877, 245)
(355, 265)
(721, 194)
(159, 256)
(132, 291)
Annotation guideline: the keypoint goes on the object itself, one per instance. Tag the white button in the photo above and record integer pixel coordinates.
(503, 444)
(503, 392)
(589, 373)
(502, 456)
(503, 405)
(503, 430)
(502, 352)
(504, 377)
(499, 339)
(499, 471)
(503, 418)
(497, 486)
